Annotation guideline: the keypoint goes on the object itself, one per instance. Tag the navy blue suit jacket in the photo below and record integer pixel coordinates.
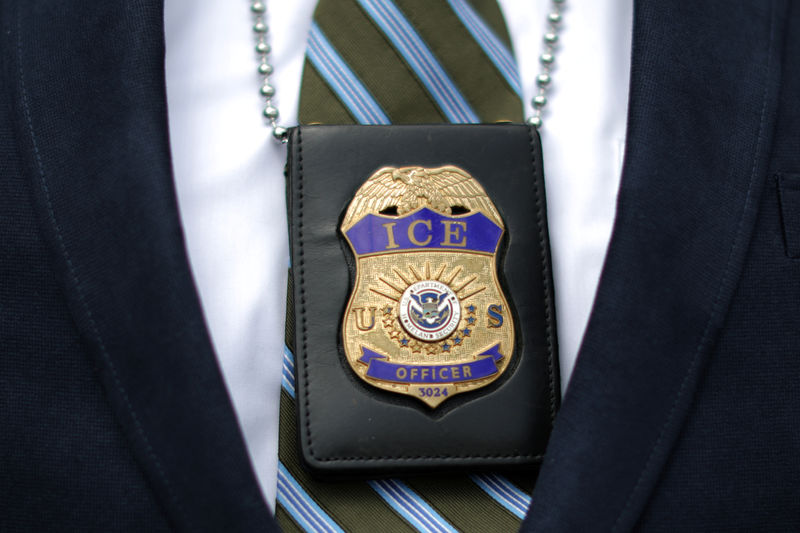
(684, 408)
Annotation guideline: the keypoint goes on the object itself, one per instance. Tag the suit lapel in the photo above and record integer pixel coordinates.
(91, 115)
(703, 92)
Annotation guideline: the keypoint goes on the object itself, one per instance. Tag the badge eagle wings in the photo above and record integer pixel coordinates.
(426, 316)
(410, 188)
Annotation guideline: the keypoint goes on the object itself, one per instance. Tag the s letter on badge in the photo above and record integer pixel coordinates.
(427, 316)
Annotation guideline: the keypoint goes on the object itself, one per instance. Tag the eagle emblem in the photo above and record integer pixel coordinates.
(427, 316)
(429, 308)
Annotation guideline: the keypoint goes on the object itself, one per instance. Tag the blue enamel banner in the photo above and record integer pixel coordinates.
(379, 368)
(424, 229)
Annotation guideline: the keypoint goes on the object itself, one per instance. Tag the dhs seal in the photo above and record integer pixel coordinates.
(429, 310)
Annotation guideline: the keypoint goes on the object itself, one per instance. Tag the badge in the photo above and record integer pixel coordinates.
(427, 316)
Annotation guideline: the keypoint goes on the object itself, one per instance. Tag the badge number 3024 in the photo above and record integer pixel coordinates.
(427, 316)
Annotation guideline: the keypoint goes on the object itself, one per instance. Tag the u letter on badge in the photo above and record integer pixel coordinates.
(427, 316)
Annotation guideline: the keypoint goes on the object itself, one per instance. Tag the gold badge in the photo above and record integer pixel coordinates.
(427, 316)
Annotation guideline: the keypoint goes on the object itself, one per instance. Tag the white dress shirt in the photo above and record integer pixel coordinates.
(229, 176)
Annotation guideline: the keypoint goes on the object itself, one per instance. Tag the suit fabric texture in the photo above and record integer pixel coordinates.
(682, 412)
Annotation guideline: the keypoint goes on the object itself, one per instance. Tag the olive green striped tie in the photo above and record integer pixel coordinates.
(393, 62)
(417, 61)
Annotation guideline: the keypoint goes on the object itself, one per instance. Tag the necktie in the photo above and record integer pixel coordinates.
(392, 62)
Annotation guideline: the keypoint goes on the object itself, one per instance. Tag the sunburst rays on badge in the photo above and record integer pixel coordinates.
(410, 188)
(397, 285)
(406, 281)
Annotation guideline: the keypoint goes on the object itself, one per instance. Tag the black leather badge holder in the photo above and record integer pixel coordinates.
(425, 326)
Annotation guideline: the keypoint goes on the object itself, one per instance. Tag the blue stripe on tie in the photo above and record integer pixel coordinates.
(421, 60)
(410, 506)
(505, 493)
(287, 375)
(342, 80)
(301, 506)
(501, 56)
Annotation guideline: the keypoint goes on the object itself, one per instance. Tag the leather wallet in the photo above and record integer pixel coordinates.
(347, 425)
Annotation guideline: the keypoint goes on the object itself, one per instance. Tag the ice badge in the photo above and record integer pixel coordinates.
(427, 316)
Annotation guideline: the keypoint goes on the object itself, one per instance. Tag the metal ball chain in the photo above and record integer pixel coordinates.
(263, 49)
(546, 60)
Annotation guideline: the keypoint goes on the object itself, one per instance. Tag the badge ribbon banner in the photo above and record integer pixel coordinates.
(424, 229)
(379, 368)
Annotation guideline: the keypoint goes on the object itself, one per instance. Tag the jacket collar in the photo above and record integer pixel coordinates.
(704, 85)
(91, 113)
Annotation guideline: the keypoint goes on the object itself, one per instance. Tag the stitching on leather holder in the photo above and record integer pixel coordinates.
(540, 221)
